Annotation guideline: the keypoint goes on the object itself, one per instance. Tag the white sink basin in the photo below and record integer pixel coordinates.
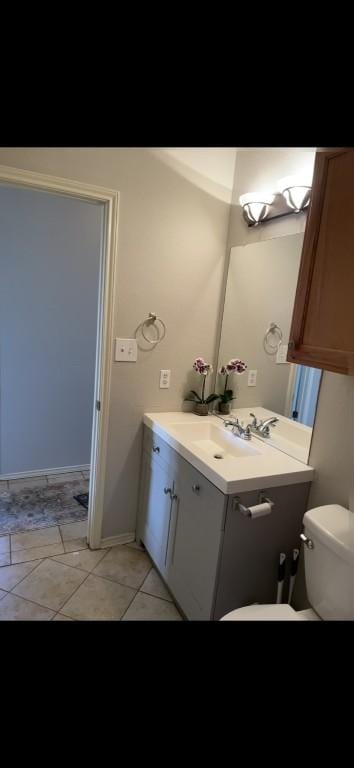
(245, 465)
(217, 442)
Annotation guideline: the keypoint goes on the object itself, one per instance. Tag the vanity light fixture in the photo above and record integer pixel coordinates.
(293, 196)
(256, 206)
(296, 190)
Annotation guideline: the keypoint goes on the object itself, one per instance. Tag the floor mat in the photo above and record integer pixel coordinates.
(83, 499)
(40, 506)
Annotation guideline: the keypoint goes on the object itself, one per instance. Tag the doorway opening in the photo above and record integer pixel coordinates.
(58, 247)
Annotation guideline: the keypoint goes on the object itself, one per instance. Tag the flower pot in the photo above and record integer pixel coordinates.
(201, 409)
(224, 407)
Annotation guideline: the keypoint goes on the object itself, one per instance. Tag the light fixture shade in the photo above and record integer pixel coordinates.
(296, 190)
(256, 205)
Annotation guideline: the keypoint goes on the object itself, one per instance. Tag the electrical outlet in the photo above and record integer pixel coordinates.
(126, 350)
(282, 353)
(165, 378)
(252, 378)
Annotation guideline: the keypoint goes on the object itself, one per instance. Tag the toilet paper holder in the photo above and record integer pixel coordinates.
(262, 499)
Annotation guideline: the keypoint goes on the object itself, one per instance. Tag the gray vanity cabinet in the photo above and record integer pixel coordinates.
(212, 558)
(156, 501)
(197, 522)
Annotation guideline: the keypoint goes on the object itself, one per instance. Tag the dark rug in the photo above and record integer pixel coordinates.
(83, 499)
(24, 509)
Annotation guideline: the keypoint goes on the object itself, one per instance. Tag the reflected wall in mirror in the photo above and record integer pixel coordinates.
(260, 291)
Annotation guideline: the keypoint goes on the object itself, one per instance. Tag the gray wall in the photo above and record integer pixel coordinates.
(260, 288)
(49, 268)
(173, 223)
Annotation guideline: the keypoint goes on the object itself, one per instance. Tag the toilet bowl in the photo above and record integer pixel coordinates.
(329, 571)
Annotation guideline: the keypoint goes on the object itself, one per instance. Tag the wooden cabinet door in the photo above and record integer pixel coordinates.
(322, 331)
(194, 543)
(155, 508)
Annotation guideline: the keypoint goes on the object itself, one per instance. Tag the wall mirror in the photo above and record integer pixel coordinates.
(259, 300)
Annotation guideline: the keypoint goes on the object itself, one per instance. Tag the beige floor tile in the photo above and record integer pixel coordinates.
(74, 530)
(61, 617)
(85, 559)
(27, 482)
(74, 544)
(86, 474)
(154, 585)
(5, 559)
(4, 544)
(135, 545)
(41, 537)
(13, 608)
(147, 608)
(36, 553)
(125, 565)
(51, 584)
(12, 574)
(98, 599)
(64, 478)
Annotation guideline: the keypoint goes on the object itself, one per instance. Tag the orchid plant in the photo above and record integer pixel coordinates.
(203, 369)
(234, 366)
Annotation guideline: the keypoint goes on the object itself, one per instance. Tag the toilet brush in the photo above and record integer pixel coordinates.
(281, 574)
(293, 572)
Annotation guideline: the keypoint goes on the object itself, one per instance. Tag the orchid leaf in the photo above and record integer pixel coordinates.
(211, 398)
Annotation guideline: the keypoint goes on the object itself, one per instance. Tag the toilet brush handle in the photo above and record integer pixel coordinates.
(281, 575)
(293, 572)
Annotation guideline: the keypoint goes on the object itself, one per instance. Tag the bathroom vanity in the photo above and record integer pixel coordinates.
(198, 482)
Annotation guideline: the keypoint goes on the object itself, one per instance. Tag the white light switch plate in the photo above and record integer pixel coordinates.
(252, 378)
(165, 378)
(126, 350)
(282, 353)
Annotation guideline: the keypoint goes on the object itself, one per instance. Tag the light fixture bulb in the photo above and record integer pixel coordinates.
(256, 205)
(296, 190)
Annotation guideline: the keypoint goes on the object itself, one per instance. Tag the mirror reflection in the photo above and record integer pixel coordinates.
(277, 398)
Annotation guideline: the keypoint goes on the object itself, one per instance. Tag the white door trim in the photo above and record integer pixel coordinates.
(104, 347)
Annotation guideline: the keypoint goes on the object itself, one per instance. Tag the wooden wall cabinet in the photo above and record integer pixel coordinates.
(322, 330)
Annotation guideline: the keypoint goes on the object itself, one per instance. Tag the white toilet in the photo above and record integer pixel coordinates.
(329, 571)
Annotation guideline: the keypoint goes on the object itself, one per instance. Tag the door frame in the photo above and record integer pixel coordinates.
(104, 339)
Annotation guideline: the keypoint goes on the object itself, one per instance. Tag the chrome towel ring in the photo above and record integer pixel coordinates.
(275, 334)
(159, 324)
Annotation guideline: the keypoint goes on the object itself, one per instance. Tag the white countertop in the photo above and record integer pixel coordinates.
(267, 467)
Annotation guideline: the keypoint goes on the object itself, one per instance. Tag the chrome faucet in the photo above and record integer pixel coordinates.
(262, 428)
(238, 429)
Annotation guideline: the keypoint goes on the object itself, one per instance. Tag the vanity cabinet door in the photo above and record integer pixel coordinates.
(194, 543)
(155, 508)
(322, 331)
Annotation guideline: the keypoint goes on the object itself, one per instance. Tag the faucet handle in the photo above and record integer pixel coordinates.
(255, 422)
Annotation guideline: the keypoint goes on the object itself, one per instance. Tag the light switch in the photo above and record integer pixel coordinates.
(282, 353)
(165, 378)
(252, 378)
(126, 350)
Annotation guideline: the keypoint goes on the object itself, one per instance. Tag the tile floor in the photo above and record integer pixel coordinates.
(50, 574)
(40, 480)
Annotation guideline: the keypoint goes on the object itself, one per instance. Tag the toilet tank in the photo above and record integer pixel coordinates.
(329, 566)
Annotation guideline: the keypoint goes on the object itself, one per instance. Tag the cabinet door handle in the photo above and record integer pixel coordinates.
(196, 488)
(168, 490)
(156, 449)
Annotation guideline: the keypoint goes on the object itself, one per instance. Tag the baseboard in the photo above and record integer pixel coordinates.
(112, 541)
(51, 471)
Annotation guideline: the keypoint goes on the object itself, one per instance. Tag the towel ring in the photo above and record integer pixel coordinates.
(273, 329)
(151, 320)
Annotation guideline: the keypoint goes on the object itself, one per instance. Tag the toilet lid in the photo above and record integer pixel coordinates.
(271, 612)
